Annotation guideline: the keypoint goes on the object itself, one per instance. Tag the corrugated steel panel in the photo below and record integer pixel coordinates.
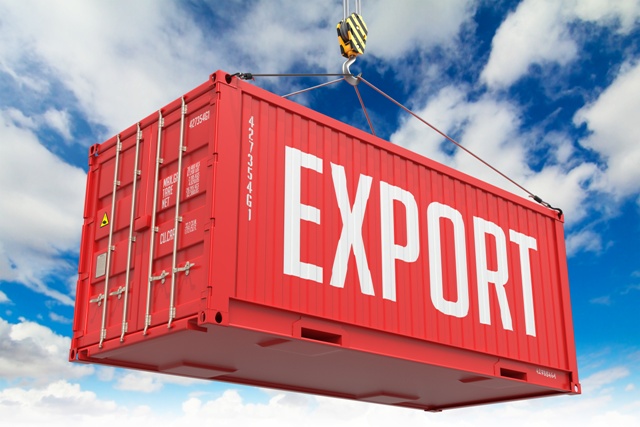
(252, 240)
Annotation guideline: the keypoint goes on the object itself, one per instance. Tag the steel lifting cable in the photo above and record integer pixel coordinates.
(312, 88)
(484, 162)
(249, 76)
(364, 109)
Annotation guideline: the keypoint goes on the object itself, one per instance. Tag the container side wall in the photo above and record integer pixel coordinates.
(338, 224)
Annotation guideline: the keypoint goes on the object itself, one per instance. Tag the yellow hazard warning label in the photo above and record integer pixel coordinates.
(105, 220)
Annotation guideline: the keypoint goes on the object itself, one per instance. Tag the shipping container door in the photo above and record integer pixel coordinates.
(109, 269)
(182, 221)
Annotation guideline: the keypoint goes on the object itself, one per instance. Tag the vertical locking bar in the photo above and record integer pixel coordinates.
(116, 183)
(147, 316)
(136, 173)
(178, 218)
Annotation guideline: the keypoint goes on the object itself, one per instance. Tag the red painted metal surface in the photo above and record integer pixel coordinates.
(238, 236)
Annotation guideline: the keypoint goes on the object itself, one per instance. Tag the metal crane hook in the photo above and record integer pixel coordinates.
(350, 78)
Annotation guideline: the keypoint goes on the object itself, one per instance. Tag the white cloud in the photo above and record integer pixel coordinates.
(152, 56)
(274, 35)
(568, 187)
(272, 41)
(487, 127)
(284, 409)
(37, 85)
(62, 403)
(603, 300)
(533, 34)
(17, 118)
(303, 35)
(149, 382)
(583, 241)
(446, 110)
(598, 380)
(560, 148)
(612, 120)
(538, 32)
(623, 14)
(138, 381)
(4, 298)
(59, 121)
(155, 53)
(42, 202)
(105, 373)
(59, 319)
(59, 396)
(59, 402)
(32, 352)
(490, 128)
(395, 30)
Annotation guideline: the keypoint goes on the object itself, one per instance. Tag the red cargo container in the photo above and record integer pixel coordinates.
(238, 236)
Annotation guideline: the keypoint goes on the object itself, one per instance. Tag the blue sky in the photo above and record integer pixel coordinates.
(547, 91)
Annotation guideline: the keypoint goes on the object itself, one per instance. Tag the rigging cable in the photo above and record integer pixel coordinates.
(250, 76)
(312, 88)
(364, 109)
(493, 168)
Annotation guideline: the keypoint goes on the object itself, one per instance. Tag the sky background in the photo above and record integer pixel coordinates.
(546, 90)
